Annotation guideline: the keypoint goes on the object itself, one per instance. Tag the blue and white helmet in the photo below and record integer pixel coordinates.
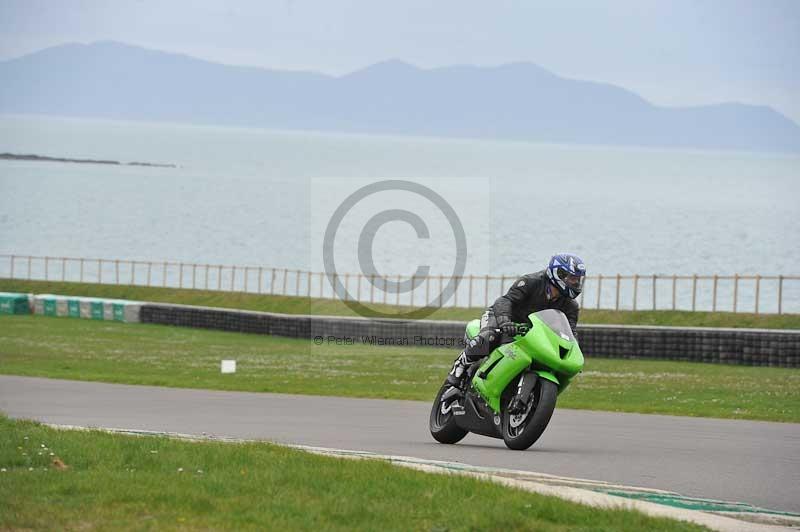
(567, 273)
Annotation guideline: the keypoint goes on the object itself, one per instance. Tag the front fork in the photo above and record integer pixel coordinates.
(527, 382)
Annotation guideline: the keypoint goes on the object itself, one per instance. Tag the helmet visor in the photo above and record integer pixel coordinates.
(574, 282)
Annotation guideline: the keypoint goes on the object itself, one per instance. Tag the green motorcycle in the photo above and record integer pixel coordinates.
(511, 394)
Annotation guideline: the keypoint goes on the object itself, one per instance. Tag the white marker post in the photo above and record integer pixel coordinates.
(228, 366)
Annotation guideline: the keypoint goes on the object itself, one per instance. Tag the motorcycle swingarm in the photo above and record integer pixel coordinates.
(470, 417)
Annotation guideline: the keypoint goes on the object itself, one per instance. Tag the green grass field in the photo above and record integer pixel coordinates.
(303, 305)
(114, 482)
(181, 357)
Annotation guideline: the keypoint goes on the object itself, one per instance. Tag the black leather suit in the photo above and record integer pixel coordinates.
(528, 294)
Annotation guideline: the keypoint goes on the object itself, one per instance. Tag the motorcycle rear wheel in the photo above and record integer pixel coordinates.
(442, 423)
(522, 431)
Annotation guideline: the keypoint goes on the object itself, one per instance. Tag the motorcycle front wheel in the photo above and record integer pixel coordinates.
(520, 431)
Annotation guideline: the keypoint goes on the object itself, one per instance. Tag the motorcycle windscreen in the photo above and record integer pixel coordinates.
(557, 321)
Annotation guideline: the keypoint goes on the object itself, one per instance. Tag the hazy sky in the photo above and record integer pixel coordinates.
(672, 52)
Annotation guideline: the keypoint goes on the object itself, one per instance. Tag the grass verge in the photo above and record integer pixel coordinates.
(189, 358)
(76, 480)
(304, 305)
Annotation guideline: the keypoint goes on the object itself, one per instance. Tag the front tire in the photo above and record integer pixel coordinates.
(442, 422)
(522, 431)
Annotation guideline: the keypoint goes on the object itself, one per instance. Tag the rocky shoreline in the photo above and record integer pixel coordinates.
(32, 157)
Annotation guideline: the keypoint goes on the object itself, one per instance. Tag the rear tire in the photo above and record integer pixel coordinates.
(521, 434)
(443, 424)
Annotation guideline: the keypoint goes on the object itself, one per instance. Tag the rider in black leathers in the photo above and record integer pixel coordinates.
(555, 287)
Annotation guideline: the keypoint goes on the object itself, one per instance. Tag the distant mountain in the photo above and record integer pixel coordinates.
(514, 101)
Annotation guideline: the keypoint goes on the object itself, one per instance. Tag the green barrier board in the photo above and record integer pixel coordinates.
(11, 303)
(74, 308)
(119, 312)
(97, 310)
(50, 307)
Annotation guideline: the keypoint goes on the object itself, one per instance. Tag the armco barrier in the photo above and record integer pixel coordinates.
(752, 347)
(330, 328)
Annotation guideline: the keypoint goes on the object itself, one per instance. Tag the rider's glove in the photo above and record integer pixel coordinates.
(509, 328)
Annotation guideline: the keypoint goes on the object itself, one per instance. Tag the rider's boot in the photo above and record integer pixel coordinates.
(459, 368)
(473, 351)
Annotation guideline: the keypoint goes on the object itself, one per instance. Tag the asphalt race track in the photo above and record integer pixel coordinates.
(743, 461)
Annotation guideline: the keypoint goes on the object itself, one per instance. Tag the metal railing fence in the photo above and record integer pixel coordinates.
(777, 294)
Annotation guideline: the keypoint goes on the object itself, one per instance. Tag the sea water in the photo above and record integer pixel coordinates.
(262, 197)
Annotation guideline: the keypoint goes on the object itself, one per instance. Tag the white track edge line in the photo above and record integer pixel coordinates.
(570, 493)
